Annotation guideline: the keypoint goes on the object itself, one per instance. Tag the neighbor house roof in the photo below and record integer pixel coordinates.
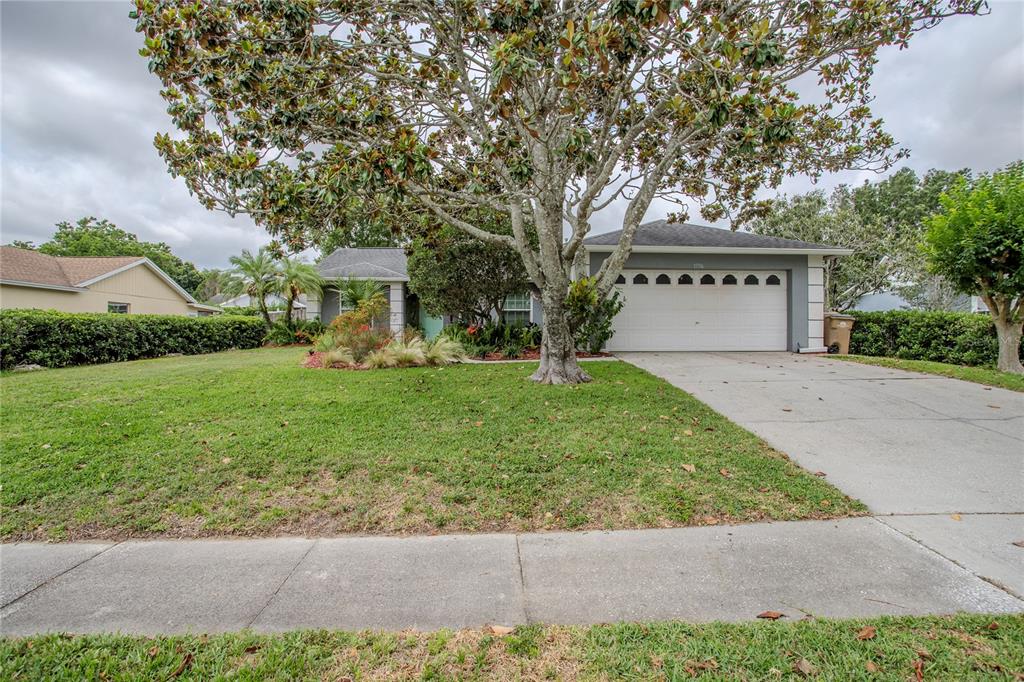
(386, 264)
(661, 235)
(25, 267)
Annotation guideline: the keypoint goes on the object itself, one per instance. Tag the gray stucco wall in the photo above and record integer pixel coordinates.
(329, 307)
(795, 267)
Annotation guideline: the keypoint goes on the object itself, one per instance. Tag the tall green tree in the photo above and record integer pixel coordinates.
(977, 242)
(541, 110)
(295, 278)
(90, 236)
(454, 273)
(259, 277)
(217, 281)
(883, 222)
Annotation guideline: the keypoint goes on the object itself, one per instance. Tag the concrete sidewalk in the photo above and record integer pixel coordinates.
(851, 567)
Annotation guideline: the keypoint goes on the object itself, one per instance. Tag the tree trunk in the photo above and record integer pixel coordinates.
(557, 351)
(263, 311)
(1009, 334)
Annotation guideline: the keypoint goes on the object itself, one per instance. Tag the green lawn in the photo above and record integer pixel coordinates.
(907, 648)
(979, 375)
(250, 443)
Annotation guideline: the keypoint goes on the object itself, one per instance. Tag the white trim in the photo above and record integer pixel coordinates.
(39, 285)
(821, 349)
(203, 306)
(829, 251)
(152, 266)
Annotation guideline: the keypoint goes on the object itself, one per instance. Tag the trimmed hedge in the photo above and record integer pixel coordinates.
(54, 339)
(954, 338)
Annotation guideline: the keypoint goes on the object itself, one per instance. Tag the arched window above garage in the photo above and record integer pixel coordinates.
(729, 279)
(751, 279)
(663, 279)
(707, 279)
(685, 279)
(773, 280)
(620, 280)
(640, 278)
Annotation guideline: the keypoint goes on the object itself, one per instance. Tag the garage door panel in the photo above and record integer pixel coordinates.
(698, 316)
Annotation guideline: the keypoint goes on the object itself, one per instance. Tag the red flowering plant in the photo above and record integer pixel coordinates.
(359, 331)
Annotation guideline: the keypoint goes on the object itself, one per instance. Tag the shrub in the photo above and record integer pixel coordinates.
(590, 317)
(405, 351)
(56, 339)
(300, 331)
(508, 339)
(955, 338)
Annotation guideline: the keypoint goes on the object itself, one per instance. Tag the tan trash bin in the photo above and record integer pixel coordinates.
(837, 331)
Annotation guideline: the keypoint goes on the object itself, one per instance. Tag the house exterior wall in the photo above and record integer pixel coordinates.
(798, 323)
(139, 287)
(329, 308)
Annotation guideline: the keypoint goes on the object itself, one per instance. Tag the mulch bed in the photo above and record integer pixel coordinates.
(535, 355)
(314, 359)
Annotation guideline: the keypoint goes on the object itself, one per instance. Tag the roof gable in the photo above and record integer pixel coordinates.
(661, 233)
(365, 263)
(31, 268)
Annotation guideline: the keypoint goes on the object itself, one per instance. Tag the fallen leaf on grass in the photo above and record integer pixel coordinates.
(826, 503)
(185, 663)
(688, 467)
(993, 626)
(725, 472)
(870, 667)
(694, 668)
(252, 649)
(805, 667)
(771, 615)
(478, 423)
(501, 630)
(820, 474)
(153, 651)
(919, 670)
(867, 632)
(687, 432)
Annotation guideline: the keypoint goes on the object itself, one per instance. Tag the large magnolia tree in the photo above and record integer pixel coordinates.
(548, 112)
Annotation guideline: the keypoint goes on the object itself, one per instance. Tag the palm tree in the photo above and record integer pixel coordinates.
(351, 292)
(294, 279)
(258, 274)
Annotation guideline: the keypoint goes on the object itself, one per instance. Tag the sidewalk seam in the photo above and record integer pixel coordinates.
(288, 577)
(522, 584)
(999, 586)
(62, 573)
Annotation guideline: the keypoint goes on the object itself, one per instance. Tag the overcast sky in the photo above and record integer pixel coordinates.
(79, 112)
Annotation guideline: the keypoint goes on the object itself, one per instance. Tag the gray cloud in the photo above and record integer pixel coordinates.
(80, 111)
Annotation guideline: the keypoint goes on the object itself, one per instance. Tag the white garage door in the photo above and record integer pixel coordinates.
(668, 310)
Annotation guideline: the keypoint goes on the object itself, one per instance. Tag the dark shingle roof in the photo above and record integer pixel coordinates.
(375, 263)
(663, 233)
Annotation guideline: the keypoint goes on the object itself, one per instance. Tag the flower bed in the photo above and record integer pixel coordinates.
(534, 354)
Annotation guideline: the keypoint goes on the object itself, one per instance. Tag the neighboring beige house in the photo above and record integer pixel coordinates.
(119, 284)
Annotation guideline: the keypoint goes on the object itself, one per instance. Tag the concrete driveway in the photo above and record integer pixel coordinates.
(938, 459)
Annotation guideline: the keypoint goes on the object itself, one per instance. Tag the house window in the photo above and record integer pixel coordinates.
(640, 279)
(751, 279)
(685, 279)
(620, 280)
(729, 279)
(517, 309)
(663, 279)
(707, 279)
(773, 280)
(121, 308)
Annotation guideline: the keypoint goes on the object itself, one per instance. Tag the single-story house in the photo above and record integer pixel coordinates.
(275, 303)
(685, 287)
(85, 284)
